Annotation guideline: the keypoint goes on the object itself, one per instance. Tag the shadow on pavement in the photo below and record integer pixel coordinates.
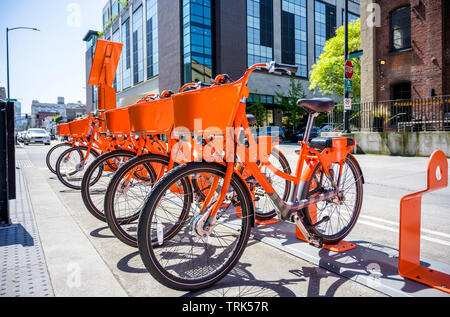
(15, 234)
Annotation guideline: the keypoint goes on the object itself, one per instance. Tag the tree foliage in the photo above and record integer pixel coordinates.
(327, 75)
(294, 114)
(257, 109)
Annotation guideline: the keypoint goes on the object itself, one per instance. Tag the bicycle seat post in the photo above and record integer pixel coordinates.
(309, 126)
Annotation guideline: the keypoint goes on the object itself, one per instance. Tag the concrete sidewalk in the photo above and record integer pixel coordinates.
(70, 259)
(82, 258)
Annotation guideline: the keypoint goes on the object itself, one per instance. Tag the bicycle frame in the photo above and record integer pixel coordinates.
(308, 160)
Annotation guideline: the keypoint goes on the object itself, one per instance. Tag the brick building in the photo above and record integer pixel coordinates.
(407, 56)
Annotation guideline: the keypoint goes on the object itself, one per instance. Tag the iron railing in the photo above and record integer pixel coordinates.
(430, 114)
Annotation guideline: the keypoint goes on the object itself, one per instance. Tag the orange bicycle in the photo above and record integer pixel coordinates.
(212, 233)
(126, 193)
(94, 189)
(71, 164)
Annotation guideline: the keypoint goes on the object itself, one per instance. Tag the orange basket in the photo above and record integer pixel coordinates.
(63, 129)
(153, 117)
(118, 121)
(80, 128)
(216, 107)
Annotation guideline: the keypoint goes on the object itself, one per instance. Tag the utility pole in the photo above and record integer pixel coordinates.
(346, 92)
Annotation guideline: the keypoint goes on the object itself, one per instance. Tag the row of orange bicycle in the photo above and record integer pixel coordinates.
(184, 178)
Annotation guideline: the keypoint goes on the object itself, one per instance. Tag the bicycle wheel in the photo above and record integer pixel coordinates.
(69, 167)
(126, 194)
(343, 210)
(264, 207)
(53, 155)
(97, 177)
(189, 257)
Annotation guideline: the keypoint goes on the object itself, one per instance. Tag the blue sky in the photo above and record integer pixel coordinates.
(49, 63)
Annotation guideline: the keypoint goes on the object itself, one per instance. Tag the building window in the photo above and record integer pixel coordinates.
(152, 38)
(351, 17)
(114, 10)
(400, 29)
(294, 47)
(138, 47)
(401, 91)
(324, 25)
(126, 54)
(197, 40)
(117, 79)
(259, 31)
(105, 18)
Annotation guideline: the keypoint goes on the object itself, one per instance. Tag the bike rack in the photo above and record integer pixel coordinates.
(410, 220)
(342, 246)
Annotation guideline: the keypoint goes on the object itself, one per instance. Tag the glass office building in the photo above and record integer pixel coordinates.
(259, 31)
(294, 45)
(167, 43)
(197, 41)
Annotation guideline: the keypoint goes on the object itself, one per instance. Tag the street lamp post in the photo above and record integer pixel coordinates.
(7, 51)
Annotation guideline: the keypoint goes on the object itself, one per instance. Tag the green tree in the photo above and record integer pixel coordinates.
(327, 75)
(257, 109)
(295, 115)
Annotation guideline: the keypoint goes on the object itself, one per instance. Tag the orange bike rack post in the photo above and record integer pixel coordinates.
(103, 71)
(410, 220)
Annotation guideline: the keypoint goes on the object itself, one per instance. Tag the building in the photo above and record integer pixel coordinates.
(172, 42)
(40, 111)
(407, 55)
(91, 91)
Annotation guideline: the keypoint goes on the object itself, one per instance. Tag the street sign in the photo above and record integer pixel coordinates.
(356, 54)
(348, 104)
(349, 69)
(348, 85)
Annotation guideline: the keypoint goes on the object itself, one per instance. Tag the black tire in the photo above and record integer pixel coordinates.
(96, 180)
(123, 225)
(264, 207)
(72, 178)
(53, 155)
(330, 208)
(152, 247)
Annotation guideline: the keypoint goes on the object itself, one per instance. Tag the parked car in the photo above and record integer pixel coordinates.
(275, 132)
(315, 132)
(34, 136)
(326, 128)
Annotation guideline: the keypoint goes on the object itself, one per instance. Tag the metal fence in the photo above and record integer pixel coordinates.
(431, 114)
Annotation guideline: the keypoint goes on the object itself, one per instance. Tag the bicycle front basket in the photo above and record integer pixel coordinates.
(118, 121)
(80, 128)
(153, 117)
(63, 129)
(206, 110)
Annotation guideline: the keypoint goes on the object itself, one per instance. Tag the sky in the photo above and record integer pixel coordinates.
(50, 63)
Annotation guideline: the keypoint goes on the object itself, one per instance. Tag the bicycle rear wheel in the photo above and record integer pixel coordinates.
(343, 211)
(93, 187)
(189, 258)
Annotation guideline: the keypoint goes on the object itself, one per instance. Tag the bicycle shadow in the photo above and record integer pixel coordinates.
(371, 264)
(97, 233)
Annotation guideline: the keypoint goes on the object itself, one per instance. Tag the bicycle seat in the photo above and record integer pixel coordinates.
(316, 105)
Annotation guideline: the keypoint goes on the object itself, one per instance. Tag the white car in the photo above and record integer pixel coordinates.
(34, 136)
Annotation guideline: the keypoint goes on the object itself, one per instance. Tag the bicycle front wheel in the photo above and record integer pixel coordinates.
(70, 168)
(97, 177)
(188, 258)
(53, 154)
